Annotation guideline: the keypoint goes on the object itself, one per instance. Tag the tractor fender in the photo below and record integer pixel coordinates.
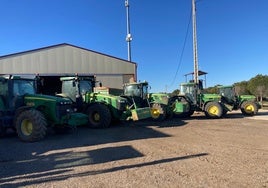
(93, 103)
(24, 108)
(21, 109)
(101, 102)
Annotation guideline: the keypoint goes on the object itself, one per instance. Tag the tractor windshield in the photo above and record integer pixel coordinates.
(227, 92)
(188, 90)
(132, 90)
(69, 88)
(145, 90)
(136, 90)
(85, 86)
(73, 88)
(22, 87)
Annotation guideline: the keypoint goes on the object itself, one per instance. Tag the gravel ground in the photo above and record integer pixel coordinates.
(195, 152)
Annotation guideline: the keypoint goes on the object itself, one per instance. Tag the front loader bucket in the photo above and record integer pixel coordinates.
(141, 113)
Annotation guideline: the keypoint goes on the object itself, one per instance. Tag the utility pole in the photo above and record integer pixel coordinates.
(128, 37)
(196, 79)
(196, 73)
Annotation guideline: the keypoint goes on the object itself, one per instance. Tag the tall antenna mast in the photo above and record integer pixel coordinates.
(196, 80)
(128, 38)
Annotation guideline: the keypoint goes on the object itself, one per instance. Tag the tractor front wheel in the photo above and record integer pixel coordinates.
(213, 110)
(249, 108)
(31, 125)
(158, 112)
(99, 116)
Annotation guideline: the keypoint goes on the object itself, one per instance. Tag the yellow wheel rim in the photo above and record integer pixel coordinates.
(26, 127)
(249, 108)
(96, 117)
(214, 110)
(155, 113)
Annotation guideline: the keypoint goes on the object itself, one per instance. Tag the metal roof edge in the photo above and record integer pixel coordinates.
(63, 44)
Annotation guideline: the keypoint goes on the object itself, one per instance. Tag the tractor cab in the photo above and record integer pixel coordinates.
(227, 93)
(191, 90)
(137, 93)
(188, 90)
(136, 90)
(76, 88)
(13, 90)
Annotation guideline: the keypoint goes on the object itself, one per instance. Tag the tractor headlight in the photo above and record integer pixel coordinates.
(121, 101)
(65, 102)
(121, 104)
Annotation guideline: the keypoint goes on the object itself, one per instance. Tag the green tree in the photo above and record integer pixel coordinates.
(241, 88)
(175, 92)
(211, 90)
(259, 86)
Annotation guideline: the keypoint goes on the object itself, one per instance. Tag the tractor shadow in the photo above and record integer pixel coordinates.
(169, 122)
(26, 164)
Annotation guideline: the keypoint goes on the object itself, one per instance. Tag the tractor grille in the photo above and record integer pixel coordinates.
(121, 105)
(63, 109)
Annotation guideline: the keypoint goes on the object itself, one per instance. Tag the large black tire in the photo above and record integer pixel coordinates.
(224, 112)
(99, 116)
(249, 108)
(158, 112)
(31, 125)
(213, 110)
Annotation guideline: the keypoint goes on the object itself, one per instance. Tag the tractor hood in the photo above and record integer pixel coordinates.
(30, 99)
(211, 97)
(247, 97)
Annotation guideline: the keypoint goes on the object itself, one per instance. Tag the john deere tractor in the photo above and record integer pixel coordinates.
(246, 103)
(30, 114)
(101, 106)
(161, 104)
(192, 94)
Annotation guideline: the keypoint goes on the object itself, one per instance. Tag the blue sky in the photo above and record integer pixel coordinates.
(232, 35)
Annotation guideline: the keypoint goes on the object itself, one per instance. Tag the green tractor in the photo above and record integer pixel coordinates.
(102, 107)
(192, 94)
(160, 103)
(30, 114)
(246, 103)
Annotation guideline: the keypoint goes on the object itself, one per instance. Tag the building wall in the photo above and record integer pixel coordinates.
(69, 59)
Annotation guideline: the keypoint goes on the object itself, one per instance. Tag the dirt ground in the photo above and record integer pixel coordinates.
(195, 152)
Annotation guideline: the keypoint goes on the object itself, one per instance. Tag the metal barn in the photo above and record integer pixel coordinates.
(67, 59)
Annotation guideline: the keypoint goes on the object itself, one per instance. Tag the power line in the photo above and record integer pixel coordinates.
(183, 48)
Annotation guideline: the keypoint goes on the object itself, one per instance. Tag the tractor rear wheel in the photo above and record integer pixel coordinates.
(158, 112)
(31, 125)
(99, 116)
(213, 110)
(249, 108)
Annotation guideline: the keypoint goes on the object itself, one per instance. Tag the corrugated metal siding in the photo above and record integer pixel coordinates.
(112, 81)
(69, 59)
(64, 59)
